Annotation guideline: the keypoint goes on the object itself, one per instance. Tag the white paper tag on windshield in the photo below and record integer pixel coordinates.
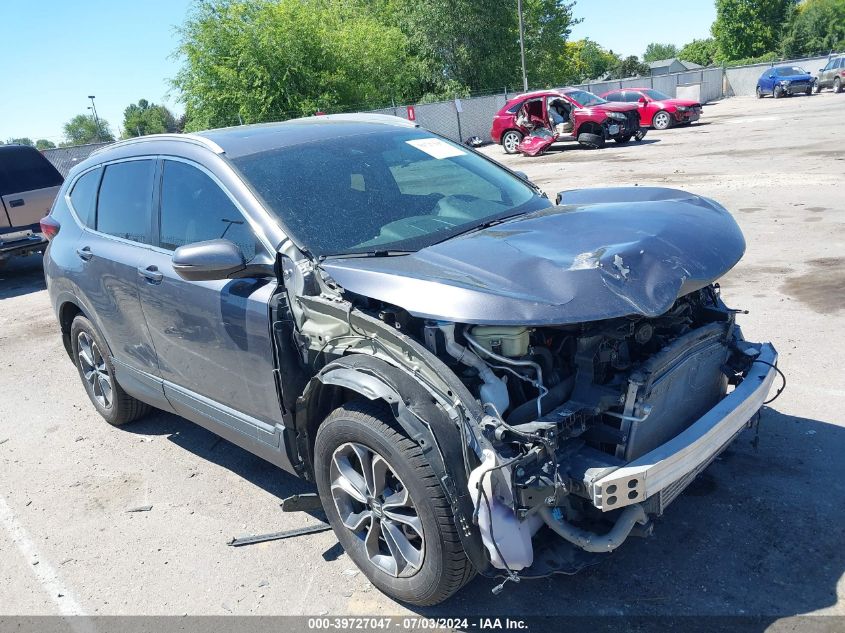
(436, 148)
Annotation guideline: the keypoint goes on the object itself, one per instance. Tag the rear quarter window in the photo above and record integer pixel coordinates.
(83, 197)
(26, 169)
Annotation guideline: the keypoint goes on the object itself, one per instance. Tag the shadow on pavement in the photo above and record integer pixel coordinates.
(21, 276)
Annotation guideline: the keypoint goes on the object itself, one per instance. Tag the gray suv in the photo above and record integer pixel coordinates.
(832, 75)
(477, 379)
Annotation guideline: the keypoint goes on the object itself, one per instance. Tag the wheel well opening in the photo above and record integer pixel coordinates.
(591, 128)
(67, 313)
(324, 400)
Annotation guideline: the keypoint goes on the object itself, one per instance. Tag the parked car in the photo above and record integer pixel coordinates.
(785, 80)
(832, 75)
(28, 185)
(657, 109)
(467, 371)
(593, 120)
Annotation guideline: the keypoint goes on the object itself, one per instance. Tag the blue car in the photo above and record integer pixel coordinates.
(785, 80)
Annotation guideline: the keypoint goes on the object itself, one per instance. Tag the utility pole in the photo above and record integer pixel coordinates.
(522, 46)
(96, 118)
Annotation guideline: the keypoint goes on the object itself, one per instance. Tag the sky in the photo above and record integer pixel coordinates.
(54, 53)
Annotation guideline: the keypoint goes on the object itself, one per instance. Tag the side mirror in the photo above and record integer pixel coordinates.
(522, 175)
(207, 261)
(642, 100)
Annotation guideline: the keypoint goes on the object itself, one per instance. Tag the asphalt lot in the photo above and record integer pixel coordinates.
(761, 533)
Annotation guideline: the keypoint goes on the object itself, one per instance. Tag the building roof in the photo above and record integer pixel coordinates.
(662, 63)
(64, 158)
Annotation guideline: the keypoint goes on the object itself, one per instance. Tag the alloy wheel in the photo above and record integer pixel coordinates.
(375, 505)
(661, 120)
(511, 142)
(94, 369)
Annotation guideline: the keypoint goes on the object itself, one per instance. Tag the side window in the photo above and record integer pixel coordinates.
(615, 96)
(838, 62)
(124, 207)
(632, 97)
(195, 209)
(83, 197)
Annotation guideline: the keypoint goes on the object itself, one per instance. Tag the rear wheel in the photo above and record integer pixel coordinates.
(759, 93)
(387, 507)
(510, 141)
(662, 120)
(591, 141)
(97, 372)
(837, 85)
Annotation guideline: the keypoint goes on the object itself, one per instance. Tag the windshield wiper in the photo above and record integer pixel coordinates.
(485, 225)
(372, 253)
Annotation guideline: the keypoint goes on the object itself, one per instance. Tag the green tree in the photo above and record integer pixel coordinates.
(630, 66)
(43, 144)
(655, 51)
(748, 28)
(702, 52)
(142, 118)
(23, 140)
(818, 26)
(82, 129)
(252, 60)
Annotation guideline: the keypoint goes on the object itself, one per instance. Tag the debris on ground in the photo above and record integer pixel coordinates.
(275, 536)
(140, 509)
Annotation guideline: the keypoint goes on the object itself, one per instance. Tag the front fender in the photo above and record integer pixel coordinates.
(425, 421)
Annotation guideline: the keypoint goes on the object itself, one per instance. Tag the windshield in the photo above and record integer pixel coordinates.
(788, 71)
(584, 98)
(392, 190)
(656, 95)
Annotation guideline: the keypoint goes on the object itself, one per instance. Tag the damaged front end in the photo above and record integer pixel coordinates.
(567, 373)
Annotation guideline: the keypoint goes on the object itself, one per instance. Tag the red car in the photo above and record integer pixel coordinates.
(569, 114)
(658, 110)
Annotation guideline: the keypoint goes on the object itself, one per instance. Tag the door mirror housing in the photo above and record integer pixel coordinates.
(642, 100)
(207, 261)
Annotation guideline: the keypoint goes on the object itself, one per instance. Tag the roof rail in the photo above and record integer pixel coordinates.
(196, 139)
(364, 117)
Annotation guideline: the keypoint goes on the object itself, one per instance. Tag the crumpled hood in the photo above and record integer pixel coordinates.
(602, 253)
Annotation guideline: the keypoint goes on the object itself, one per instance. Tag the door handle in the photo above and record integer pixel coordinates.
(16, 203)
(151, 274)
(84, 253)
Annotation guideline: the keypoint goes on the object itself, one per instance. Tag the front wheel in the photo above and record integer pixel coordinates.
(777, 93)
(386, 506)
(662, 120)
(623, 139)
(97, 372)
(817, 87)
(510, 141)
(837, 85)
(591, 141)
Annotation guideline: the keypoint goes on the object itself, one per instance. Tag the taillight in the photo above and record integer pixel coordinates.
(50, 227)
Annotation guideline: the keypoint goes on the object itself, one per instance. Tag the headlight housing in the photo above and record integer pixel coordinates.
(616, 116)
(682, 108)
(785, 82)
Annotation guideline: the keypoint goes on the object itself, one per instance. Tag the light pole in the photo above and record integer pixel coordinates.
(522, 46)
(93, 109)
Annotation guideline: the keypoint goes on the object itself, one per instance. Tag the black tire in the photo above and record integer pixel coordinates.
(759, 93)
(661, 120)
(120, 408)
(510, 140)
(444, 568)
(777, 92)
(837, 85)
(808, 91)
(591, 141)
(623, 139)
(817, 87)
